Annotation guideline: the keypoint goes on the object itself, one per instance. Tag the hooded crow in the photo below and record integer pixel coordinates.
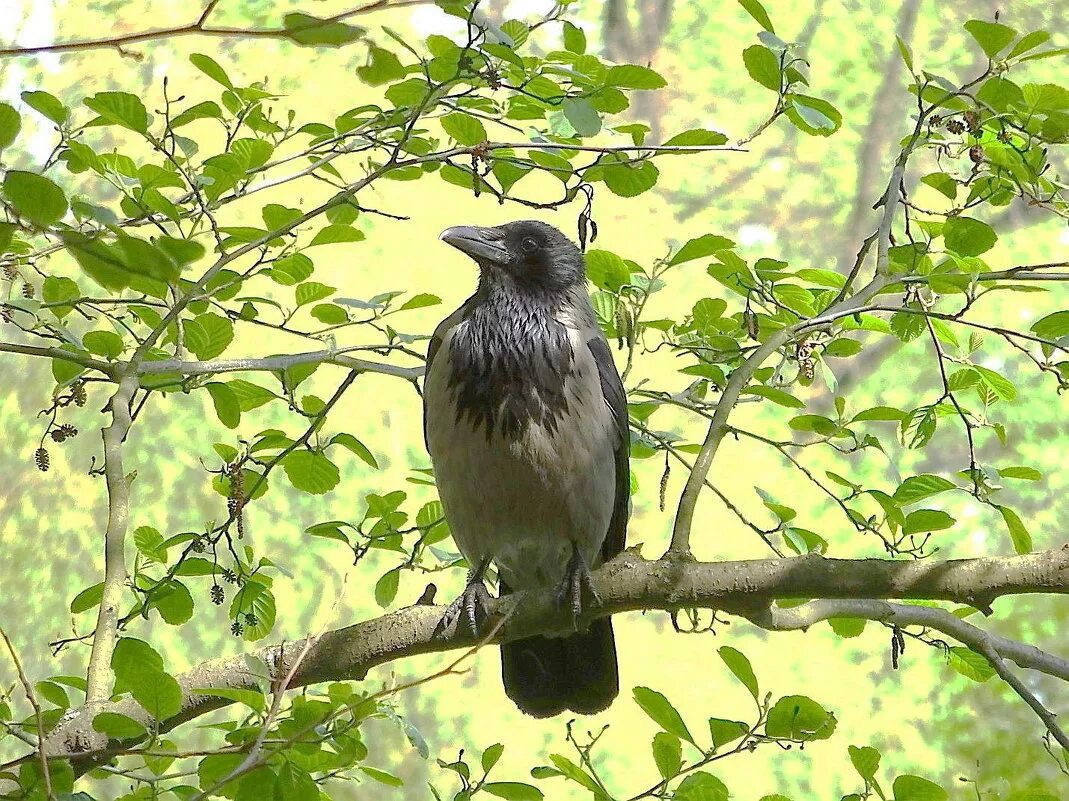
(525, 419)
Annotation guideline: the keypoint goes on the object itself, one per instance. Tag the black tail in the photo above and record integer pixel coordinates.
(545, 676)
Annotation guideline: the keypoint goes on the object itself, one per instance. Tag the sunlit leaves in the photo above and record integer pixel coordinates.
(661, 711)
(311, 472)
(814, 116)
(307, 29)
(914, 788)
(35, 197)
(702, 246)
(606, 270)
(697, 137)
(631, 76)
(968, 237)
(139, 670)
(739, 665)
(799, 718)
(970, 664)
(1022, 540)
(47, 105)
(763, 66)
(120, 108)
(993, 37)
(584, 118)
(10, 125)
(208, 335)
(464, 128)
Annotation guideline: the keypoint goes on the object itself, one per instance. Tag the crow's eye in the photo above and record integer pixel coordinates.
(528, 245)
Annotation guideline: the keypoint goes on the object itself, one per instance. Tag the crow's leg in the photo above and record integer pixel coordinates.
(576, 579)
(471, 604)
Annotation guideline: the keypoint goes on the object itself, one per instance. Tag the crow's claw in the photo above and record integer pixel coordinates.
(471, 605)
(576, 579)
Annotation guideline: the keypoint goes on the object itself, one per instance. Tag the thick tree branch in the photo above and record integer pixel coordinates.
(58, 353)
(627, 583)
(98, 677)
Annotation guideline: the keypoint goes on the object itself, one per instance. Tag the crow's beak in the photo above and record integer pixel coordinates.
(485, 245)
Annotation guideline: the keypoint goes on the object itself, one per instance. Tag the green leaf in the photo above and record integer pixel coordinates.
(739, 665)
(103, 343)
(227, 405)
(667, 753)
(255, 599)
(420, 301)
(330, 314)
(631, 76)
(292, 269)
(991, 36)
(757, 11)
(629, 180)
(697, 137)
(583, 117)
(311, 472)
(10, 125)
(662, 712)
(117, 726)
(943, 183)
(1029, 41)
(799, 718)
(357, 447)
(998, 384)
(311, 291)
(513, 791)
(606, 270)
(254, 153)
(120, 108)
(87, 599)
(149, 543)
(35, 197)
(701, 786)
(490, 756)
(382, 67)
(814, 116)
(914, 788)
(200, 111)
(47, 105)
(333, 234)
(916, 488)
(174, 603)
(925, 520)
(386, 587)
(208, 335)
(847, 627)
(574, 39)
(210, 67)
(866, 761)
(970, 664)
(1022, 540)
(763, 66)
(775, 395)
(842, 348)
(250, 396)
(968, 237)
(1053, 326)
(702, 246)
(726, 731)
(139, 669)
(1025, 473)
(306, 29)
(464, 128)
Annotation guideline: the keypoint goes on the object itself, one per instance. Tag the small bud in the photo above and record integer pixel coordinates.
(78, 393)
(237, 629)
(27, 291)
(956, 126)
(10, 273)
(217, 594)
(972, 121)
(976, 153)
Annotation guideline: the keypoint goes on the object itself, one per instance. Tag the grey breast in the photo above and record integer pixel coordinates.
(522, 441)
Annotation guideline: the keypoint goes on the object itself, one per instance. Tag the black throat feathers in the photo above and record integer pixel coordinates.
(511, 359)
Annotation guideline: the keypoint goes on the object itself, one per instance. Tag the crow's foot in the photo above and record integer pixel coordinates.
(472, 604)
(576, 579)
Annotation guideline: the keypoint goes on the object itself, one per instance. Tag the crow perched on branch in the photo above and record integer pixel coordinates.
(525, 418)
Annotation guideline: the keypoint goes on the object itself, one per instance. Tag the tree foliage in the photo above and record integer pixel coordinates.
(138, 258)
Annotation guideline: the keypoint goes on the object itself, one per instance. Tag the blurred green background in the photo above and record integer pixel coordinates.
(806, 200)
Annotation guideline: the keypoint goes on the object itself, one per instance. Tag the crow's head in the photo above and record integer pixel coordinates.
(527, 253)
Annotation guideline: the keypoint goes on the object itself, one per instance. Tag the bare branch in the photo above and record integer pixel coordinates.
(32, 698)
(58, 353)
(336, 356)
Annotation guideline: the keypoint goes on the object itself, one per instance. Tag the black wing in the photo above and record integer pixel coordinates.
(612, 387)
